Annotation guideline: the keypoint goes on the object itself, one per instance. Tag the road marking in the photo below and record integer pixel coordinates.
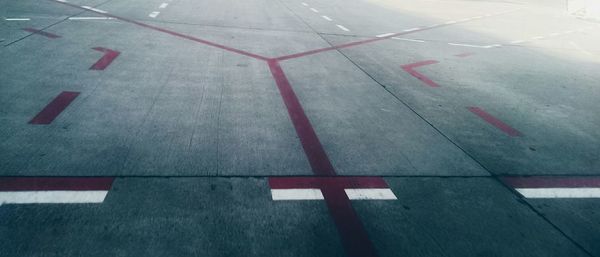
(410, 68)
(41, 32)
(93, 9)
(90, 18)
(106, 59)
(554, 34)
(385, 35)
(296, 194)
(342, 27)
(327, 18)
(54, 108)
(30, 190)
(408, 39)
(370, 194)
(517, 41)
(153, 14)
(17, 19)
(411, 29)
(537, 37)
(495, 122)
(31, 197)
(555, 187)
(305, 4)
(478, 17)
(163, 5)
(464, 54)
(450, 22)
(62, 1)
(475, 46)
(314, 10)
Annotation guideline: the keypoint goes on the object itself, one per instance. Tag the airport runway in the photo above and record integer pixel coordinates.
(356, 128)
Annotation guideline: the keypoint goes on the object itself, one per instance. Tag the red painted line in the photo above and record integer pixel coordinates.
(410, 68)
(317, 157)
(464, 54)
(54, 108)
(495, 122)
(322, 182)
(549, 182)
(172, 33)
(41, 32)
(54, 183)
(107, 58)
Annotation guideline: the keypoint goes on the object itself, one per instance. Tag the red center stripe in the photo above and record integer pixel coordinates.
(107, 58)
(495, 122)
(54, 183)
(54, 108)
(550, 182)
(410, 68)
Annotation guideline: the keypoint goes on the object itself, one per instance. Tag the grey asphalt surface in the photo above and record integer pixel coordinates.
(192, 132)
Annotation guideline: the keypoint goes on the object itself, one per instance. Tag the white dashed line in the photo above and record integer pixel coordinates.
(517, 41)
(475, 46)
(560, 192)
(408, 39)
(62, 1)
(93, 9)
(30, 197)
(342, 27)
(478, 17)
(554, 34)
(537, 37)
(163, 6)
(153, 14)
(411, 29)
(90, 18)
(370, 194)
(314, 10)
(450, 22)
(327, 18)
(305, 4)
(17, 19)
(385, 35)
(316, 194)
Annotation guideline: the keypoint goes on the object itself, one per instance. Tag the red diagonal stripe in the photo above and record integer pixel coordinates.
(54, 183)
(107, 58)
(410, 68)
(495, 122)
(54, 108)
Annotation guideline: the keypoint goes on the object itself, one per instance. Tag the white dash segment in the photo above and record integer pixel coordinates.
(17, 19)
(385, 35)
(411, 29)
(370, 194)
(450, 22)
(153, 14)
(559, 192)
(342, 27)
(90, 18)
(296, 194)
(163, 5)
(33, 197)
(305, 4)
(537, 37)
(408, 39)
(474, 46)
(93, 9)
(62, 1)
(314, 10)
(517, 41)
(326, 18)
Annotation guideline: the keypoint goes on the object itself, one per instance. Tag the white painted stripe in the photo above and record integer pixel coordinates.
(90, 18)
(163, 5)
(478, 17)
(153, 14)
(342, 27)
(327, 18)
(408, 39)
(305, 4)
(62, 1)
(434, 25)
(517, 41)
(554, 34)
(385, 35)
(537, 37)
(411, 29)
(465, 19)
(17, 19)
(296, 194)
(560, 192)
(450, 22)
(314, 10)
(475, 46)
(370, 194)
(30, 197)
(93, 9)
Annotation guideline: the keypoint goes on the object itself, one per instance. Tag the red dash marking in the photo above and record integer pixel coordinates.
(354, 236)
(410, 68)
(464, 54)
(54, 108)
(317, 157)
(321, 182)
(107, 58)
(495, 122)
(547, 182)
(54, 183)
(41, 32)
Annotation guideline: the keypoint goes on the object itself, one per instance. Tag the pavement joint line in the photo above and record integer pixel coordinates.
(41, 32)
